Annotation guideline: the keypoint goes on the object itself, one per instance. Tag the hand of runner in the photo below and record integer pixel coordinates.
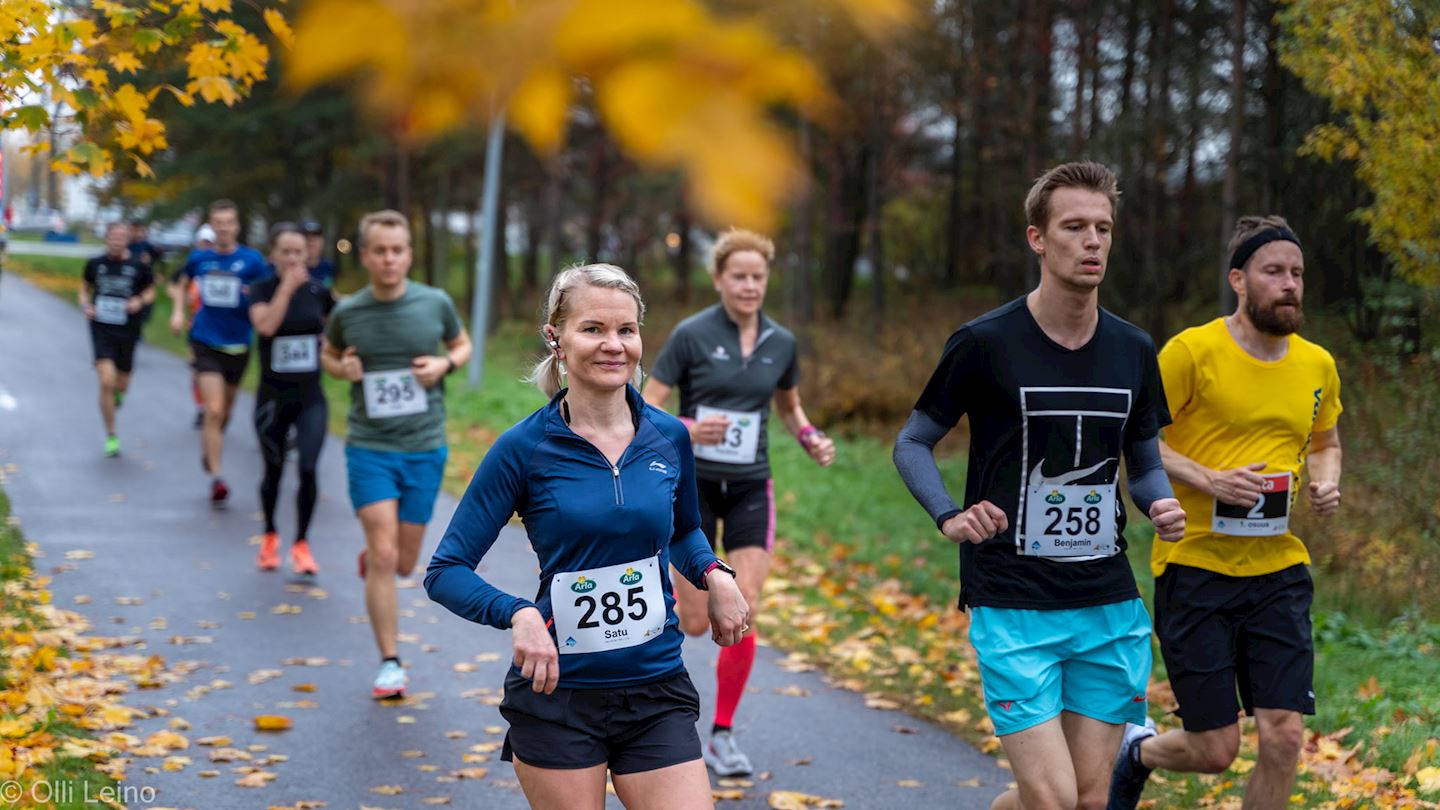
(1169, 519)
(729, 615)
(177, 322)
(534, 650)
(1324, 497)
(90, 311)
(1238, 487)
(350, 365)
(294, 276)
(977, 524)
(429, 370)
(821, 448)
(710, 430)
(134, 304)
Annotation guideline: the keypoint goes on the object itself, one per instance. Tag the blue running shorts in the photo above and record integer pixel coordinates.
(1091, 661)
(413, 479)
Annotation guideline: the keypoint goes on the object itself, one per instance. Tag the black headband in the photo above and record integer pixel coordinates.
(1247, 248)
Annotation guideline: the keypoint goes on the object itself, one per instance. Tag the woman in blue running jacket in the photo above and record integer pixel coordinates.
(606, 487)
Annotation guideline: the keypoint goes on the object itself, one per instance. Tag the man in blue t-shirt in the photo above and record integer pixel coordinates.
(220, 334)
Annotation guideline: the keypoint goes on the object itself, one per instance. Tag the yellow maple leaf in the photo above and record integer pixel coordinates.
(279, 27)
(540, 105)
(130, 103)
(1427, 780)
(124, 62)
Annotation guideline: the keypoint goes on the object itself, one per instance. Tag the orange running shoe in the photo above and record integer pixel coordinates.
(269, 557)
(300, 560)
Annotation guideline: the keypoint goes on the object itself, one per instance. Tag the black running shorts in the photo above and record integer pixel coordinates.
(115, 345)
(211, 359)
(631, 729)
(743, 512)
(1222, 636)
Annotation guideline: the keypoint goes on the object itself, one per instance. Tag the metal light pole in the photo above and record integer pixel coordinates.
(485, 269)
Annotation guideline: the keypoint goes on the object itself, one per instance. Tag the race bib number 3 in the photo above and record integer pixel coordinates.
(293, 354)
(1070, 520)
(110, 309)
(389, 394)
(742, 437)
(218, 290)
(1270, 516)
(608, 608)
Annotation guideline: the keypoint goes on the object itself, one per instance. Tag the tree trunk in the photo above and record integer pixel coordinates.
(472, 250)
(875, 196)
(1230, 190)
(802, 306)
(1272, 167)
(500, 274)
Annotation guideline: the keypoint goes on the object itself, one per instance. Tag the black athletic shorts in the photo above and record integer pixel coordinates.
(745, 508)
(631, 729)
(115, 345)
(1219, 634)
(211, 359)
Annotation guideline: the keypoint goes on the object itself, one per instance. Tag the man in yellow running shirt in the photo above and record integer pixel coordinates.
(1254, 404)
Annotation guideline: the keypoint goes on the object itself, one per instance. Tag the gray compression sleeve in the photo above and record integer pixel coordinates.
(1145, 474)
(915, 459)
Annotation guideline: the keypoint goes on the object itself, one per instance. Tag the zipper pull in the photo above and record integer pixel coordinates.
(615, 471)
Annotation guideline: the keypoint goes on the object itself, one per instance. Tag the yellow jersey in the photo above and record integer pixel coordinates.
(1231, 409)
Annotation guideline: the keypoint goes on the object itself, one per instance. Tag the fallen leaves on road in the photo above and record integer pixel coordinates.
(792, 800)
(272, 722)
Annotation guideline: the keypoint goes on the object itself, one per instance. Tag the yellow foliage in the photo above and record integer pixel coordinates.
(678, 86)
(1374, 61)
(223, 62)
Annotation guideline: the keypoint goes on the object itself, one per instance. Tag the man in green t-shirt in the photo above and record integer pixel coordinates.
(384, 340)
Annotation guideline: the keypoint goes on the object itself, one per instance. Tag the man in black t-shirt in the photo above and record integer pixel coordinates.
(116, 287)
(1057, 391)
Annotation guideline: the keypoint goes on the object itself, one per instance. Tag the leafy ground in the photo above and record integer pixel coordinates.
(62, 718)
(865, 587)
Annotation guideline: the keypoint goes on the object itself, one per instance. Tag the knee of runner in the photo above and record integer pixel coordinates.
(1217, 754)
(1281, 742)
(1099, 801)
(382, 560)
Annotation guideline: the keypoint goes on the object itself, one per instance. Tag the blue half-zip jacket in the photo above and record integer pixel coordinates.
(581, 513)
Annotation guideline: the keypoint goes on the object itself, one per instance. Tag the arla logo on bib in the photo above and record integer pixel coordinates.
(1055, 497)
(630, 577)
(583, 585)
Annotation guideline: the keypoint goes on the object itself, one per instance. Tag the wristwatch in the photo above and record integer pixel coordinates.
(451, 361)
(714, 565)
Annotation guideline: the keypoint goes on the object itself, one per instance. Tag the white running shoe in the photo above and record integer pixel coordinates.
(390, 682)
(725, 757)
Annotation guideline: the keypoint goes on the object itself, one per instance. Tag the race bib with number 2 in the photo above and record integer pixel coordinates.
(1269, 516)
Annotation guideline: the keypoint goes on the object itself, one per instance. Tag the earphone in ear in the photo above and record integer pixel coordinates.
(549, 338)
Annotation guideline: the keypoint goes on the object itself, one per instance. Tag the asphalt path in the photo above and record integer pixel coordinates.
(168, 568)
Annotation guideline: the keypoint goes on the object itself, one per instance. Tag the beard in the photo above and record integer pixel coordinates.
(1272, 320)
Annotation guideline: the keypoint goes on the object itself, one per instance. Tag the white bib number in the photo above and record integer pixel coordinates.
(1270, 516)
(218, 290)
(742, 437)
(389, 394)
(1070, 520)
(293, 354)
(608, 608)
(110, 309)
